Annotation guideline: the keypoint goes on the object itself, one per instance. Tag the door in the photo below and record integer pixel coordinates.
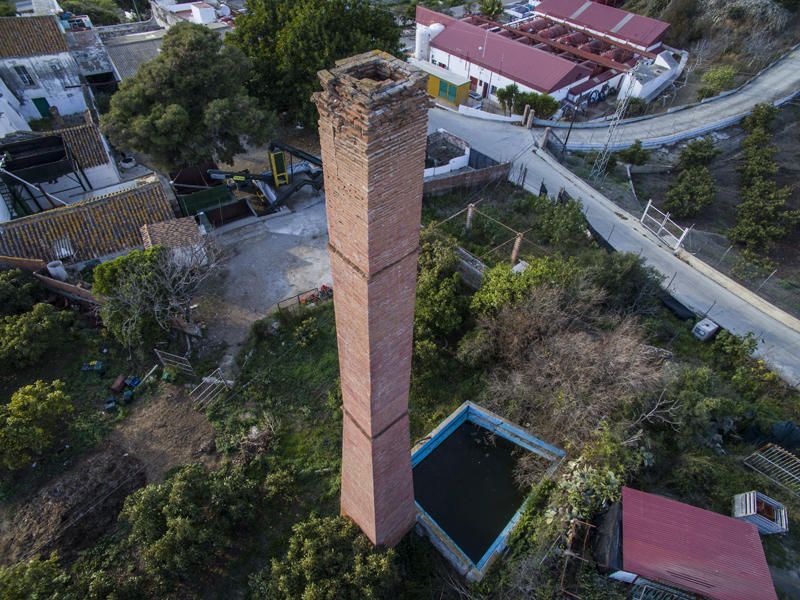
(43, 106)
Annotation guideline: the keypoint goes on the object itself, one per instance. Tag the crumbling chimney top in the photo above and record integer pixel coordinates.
(373, 76)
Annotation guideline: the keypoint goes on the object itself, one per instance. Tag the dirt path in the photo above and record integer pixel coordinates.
(269, 260)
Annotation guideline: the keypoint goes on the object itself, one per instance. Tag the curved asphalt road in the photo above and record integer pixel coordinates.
(775, 84)
(778, 344)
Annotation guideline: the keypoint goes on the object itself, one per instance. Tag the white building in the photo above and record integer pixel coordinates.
(11, 118)
(168, 12)
(37, 68)
(492, 61)
(578, 57)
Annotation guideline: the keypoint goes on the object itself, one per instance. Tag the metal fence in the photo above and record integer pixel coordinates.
(777, 464)
(664, 228)
(776, 284)
(209, 390)
(180, 363)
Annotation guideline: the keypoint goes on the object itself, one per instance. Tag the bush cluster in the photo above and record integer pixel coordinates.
(762, 216)
(695, 188)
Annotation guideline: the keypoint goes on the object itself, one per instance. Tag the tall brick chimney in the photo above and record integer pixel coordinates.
(373, 129)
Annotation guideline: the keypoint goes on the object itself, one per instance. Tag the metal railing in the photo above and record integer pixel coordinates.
(209, 390)
(778, 465)
(662, 226)
(180, 363)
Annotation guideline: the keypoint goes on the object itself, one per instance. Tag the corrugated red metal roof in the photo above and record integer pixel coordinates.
(426, 16)
(633, 28)
(693, 549)
(541, 71)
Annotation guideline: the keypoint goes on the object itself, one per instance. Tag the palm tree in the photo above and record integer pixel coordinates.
(491, 9)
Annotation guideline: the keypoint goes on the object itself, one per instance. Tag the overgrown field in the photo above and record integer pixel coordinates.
(577, 348)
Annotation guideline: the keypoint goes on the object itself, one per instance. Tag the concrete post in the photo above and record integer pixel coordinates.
(373, 114)
(525, 113)
(515, 249)
(470, 215)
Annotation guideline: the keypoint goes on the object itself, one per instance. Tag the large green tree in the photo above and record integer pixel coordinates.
(290, 41)
(101, 12)
(30, 422)
(189, 104)
(328, 559)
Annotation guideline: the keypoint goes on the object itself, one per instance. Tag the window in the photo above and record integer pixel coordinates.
(24, 76)
(493, 91)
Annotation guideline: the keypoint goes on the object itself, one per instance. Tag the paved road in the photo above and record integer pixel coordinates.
(775, 84)
(778, 345)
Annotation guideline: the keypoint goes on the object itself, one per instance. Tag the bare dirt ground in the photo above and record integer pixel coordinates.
(166, 432)
(268, 260)
(74, 509)
(80, 505)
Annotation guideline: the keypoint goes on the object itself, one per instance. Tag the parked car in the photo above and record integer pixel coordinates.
(705, 330)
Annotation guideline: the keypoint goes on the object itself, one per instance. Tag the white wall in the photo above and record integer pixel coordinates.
(459, 162)
(55, 78)
(11, 118)
(487, 77)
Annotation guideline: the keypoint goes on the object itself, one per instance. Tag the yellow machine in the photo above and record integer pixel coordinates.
(279, 173)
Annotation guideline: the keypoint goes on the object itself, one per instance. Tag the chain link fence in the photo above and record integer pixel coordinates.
(775, 284)
(778, 284)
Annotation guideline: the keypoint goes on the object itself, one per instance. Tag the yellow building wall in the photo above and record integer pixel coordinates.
(462, 91)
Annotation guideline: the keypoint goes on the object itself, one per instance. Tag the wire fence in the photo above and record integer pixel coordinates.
(777, 284)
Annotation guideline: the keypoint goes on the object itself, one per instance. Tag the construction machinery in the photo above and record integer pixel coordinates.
(281, 182)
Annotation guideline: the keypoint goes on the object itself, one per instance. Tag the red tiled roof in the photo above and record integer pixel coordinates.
(426, 16)
(30, 36)
(693, 549)
(636, 29)
(539, 70)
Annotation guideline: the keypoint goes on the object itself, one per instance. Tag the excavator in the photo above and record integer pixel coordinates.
(280, 183)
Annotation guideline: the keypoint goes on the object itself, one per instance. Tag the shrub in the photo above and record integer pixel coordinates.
(101, 12)
(328, 559)
(491, 9)
(636, 108)
(30, 422)
(762, 117)
(559, 224)
(543, 106)
(635, 154)
(502, 287)
(306, 331)
(697, 153)
(716, 80)
(586, 490)
(762, 216)
(630, 285)
(189, 520)
(35, 579)
(440, 305)
(26, 337)
(18, 292)
(693, 191)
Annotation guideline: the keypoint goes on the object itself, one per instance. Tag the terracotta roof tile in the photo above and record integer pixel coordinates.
(90, 228)
(30, 36)
(86, 145)
(175, 233)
